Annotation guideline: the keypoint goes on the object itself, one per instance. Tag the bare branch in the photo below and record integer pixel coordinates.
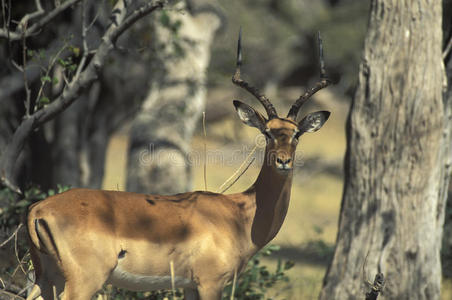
(84, 42)
(71, 92)
(11, 237)
(376, 288)
(11, 295)
(25, 19)
(24, 65)
(240, 171)
(36, 27)
(238, 177)
(447, 48)
(43, 83)
(142, 11)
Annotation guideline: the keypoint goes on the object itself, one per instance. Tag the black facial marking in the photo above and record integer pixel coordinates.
(122, 253)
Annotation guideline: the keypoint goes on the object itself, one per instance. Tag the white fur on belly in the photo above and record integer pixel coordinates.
(138, 282)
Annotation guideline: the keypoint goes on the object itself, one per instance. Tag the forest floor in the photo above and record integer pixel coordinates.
(309, 232)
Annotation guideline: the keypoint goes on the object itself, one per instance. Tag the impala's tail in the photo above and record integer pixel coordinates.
(40, 235)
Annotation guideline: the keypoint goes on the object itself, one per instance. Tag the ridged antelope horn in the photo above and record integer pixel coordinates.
(271, 111)
(323, 83)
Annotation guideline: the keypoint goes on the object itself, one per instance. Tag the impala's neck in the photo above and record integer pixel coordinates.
(271, 193)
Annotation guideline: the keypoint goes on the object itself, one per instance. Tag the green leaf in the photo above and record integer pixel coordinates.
(23, 203)
(72, 68)
(288, 265)
(165, 19)
(46, 79)
(55, 80)
(61, 62)
(30, 52)
(76, 51)
(44, 100)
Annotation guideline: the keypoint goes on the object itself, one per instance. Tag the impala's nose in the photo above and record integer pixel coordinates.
(284, 163)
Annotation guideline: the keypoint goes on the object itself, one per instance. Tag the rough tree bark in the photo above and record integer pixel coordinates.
(161, 133)
(446, 251)
(398, 158)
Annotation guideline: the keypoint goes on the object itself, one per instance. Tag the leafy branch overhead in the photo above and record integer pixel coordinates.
(123, 16)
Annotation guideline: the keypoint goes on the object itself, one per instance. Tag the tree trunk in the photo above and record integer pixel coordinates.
(162, 131)
(397, 163)
(446, 251)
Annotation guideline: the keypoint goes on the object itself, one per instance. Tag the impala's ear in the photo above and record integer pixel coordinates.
(249, 116)
(313, 121)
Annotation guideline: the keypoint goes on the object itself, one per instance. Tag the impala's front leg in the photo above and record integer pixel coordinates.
(211, 291)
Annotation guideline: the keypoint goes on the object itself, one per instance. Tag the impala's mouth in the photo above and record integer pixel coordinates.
(283, 168)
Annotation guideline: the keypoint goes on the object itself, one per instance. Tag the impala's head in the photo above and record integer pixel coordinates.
(282, 134)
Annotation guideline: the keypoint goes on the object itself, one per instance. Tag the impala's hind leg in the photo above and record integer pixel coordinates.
(49, 279)
(83, 286)
(85, 275)
(191, 294)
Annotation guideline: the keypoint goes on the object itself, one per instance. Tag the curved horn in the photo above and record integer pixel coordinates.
(271, 111)
(323, 83)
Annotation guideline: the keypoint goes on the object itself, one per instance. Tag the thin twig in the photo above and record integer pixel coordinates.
(54, 292)
(11, 236)
(205, 149)
(364, 270)
(71, 92)
(220, 189)
(8, 37)
(24, 65)
(26, 287)
(16, 251)
(84, 42)
(51, 64)
(25, 19)
(376, 287)
(12, 295)
(238, 177)
(447, 48)
(38, 25)
(173, 284)
(4, 15)
(234, 282)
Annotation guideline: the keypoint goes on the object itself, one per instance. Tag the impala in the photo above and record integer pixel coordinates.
(82, 239)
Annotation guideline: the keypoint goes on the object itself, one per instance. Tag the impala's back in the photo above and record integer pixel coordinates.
(130, 239)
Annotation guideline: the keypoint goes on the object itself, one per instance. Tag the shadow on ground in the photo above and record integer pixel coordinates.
(315, 252)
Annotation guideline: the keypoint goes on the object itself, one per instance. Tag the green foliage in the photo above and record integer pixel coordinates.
(255, 281)
(166, 22)
(120, 294)
(175, 46)
(13, 209)
(68, 64)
